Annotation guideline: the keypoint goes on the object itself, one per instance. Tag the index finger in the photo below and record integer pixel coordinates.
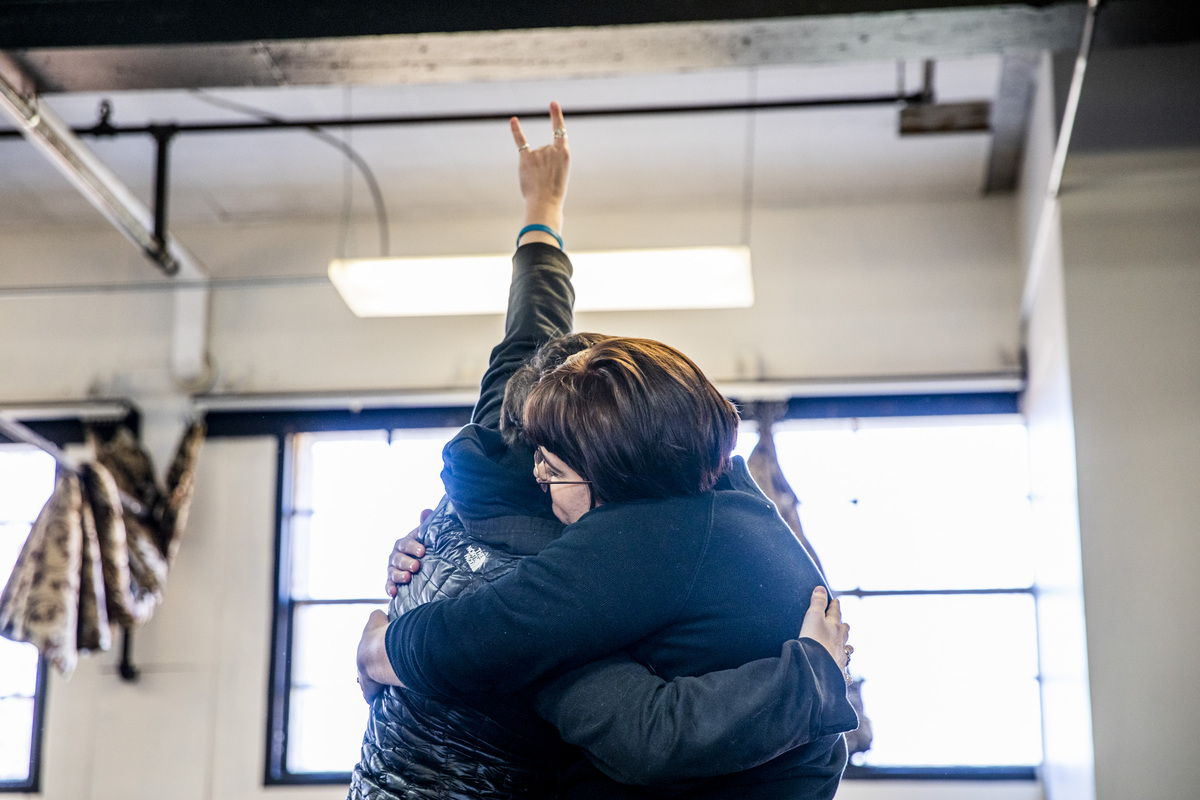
(834, 611)
(518, 136)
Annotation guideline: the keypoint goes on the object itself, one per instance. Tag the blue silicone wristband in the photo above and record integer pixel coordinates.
(543, 229)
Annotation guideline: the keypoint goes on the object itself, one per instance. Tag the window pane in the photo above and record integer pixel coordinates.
(16, 737)
(12, 539)
(26, 480)
(327, 714)
(365, 494)
(325, 728)
(18, 669)
(948, 679)
(937, 506)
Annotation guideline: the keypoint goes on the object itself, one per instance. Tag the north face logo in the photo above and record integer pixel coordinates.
(476, 557)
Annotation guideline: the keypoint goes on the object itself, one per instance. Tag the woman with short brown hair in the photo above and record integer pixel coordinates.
(637, 417)
(671, 553)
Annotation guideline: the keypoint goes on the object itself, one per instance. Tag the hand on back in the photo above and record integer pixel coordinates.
(823, 624)
(404, 559)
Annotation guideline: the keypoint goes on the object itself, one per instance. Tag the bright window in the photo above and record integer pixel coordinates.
(922, 526)
(353, 494)
(26, 480)
(918, 521)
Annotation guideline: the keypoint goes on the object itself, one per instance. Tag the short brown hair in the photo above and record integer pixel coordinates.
(636, 418)
(551, 354)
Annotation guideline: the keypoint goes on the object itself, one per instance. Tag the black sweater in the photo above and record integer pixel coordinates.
(686, 585)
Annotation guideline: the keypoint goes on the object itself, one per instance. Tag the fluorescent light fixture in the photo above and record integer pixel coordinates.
(609, 280)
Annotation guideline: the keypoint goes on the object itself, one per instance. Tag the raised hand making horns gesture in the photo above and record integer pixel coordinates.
(543, 176)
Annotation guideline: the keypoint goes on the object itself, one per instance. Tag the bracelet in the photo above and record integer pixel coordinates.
(543, 229)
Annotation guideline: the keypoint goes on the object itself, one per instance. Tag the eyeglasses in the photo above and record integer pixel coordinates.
(539, 463)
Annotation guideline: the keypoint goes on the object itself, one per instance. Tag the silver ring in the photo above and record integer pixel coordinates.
(522, 148)
(560, 133)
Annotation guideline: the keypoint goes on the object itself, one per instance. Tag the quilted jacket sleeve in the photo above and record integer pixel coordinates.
(640, 729)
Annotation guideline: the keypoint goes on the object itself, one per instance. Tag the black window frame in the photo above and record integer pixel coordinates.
(285, 424)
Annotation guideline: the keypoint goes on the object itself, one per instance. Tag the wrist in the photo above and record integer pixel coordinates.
(544, 213)
(538, 232)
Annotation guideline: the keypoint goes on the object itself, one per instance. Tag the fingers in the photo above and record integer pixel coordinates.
(522, 145)
(408, 546)
(834, 612)
(403, 561)
(557, 123)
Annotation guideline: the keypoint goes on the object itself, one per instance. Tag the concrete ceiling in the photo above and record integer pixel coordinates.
(798, 156)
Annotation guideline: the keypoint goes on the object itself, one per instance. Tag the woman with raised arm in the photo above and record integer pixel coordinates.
(633, 724)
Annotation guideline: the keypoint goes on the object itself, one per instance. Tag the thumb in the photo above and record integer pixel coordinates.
(816, 609)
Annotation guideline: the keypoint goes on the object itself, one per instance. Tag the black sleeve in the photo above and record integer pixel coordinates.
(640, 729)
(570, 604)
(540, 301)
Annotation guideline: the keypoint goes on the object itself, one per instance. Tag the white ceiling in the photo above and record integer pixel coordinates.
(838, 155)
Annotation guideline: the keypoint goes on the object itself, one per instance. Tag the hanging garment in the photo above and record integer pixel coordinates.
(763, 464)
(40, 602)
(93, 632)
(125, 604)
(86, 562)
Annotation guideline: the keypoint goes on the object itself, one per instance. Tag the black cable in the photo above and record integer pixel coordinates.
(328, 138)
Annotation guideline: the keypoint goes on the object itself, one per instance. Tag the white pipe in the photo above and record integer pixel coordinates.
(1049, 218)
(190, 365)
(747, 391)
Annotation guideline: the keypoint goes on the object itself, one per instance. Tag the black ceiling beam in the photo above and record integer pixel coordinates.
(96, 23)
(33, 24)
(30, 24)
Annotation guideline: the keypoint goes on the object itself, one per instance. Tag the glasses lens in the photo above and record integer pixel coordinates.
(538, 461)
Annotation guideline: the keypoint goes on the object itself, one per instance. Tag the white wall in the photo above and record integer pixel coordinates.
(1131, 250)
(1068, 769)
(841, 291)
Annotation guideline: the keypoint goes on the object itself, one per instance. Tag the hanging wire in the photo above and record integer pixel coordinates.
(345, 147)
(748, 168)
(347, 177)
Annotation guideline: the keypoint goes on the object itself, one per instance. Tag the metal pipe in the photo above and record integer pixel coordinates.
(105, 129)
(1072, 107)
(927, 81)
(1048, 218)
(162, 137)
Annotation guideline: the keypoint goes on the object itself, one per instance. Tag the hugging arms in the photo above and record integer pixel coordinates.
(635, 725)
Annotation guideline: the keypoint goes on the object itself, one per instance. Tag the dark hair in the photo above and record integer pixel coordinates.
(551, 354)
(636, 418)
